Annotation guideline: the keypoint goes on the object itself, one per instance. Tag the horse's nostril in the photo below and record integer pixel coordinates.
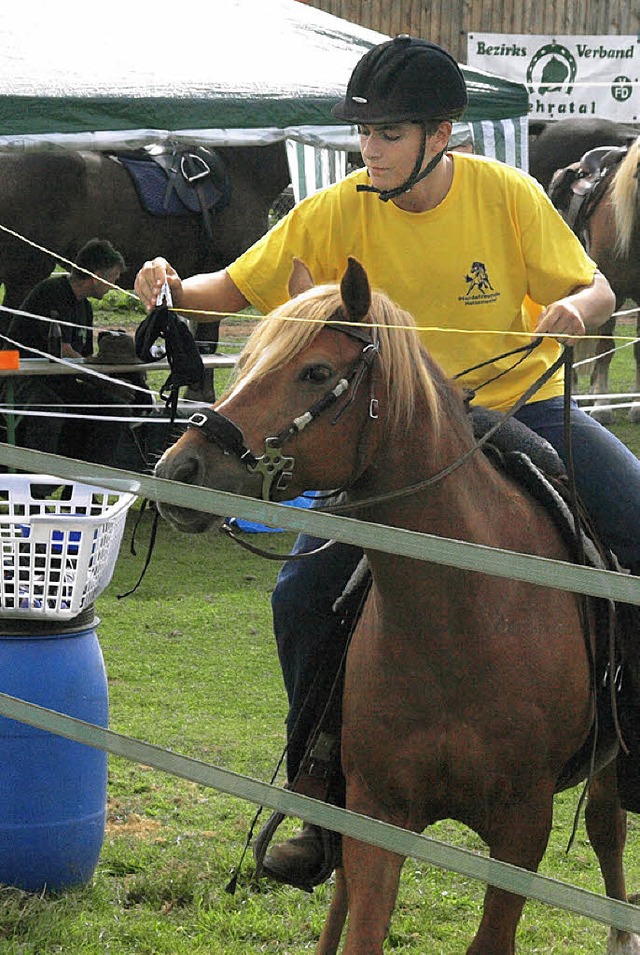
(187, 470)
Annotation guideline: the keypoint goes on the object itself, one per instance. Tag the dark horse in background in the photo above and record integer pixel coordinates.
(463, 699)
(599, 198)
(556, 145)
(59, 199)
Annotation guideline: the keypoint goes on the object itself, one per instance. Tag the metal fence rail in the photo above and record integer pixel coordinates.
(502, 563)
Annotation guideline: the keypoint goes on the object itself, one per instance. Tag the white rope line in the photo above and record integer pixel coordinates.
(118, 288)
(611, 407)
(127, 419)
(612, 351)
(45, 318)
(91, 372)
(61, 258)
(238, 316)
(47, 404)
(86, 369)
(95, 329)
(611, 396)
(460, 331)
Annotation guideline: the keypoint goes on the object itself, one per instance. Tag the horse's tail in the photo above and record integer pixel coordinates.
(624, 197)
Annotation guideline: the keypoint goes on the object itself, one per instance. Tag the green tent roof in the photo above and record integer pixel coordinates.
(232, 70)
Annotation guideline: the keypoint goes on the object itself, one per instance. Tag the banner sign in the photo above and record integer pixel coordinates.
(567, 76)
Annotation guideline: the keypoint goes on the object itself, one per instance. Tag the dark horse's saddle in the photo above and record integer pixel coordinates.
(179, 182)
(576, 190)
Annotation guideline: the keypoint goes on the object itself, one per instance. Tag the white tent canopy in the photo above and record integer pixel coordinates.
(227, 73)
(232, 71)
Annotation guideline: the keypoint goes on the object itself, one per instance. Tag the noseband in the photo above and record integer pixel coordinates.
(275, 467)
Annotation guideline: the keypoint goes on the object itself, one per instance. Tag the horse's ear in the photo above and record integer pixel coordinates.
(355, 291)
(301, 279)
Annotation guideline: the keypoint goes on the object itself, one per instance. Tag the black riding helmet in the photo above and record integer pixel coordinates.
(404, 80)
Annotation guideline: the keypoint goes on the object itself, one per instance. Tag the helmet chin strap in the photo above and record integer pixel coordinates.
(385, 194)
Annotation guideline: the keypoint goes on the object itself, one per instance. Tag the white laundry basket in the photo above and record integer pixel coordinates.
(58, 553)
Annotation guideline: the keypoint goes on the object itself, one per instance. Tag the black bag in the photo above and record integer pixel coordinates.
(185, 361)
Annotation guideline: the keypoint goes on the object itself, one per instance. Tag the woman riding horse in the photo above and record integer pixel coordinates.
(461, 700)
(476, 252)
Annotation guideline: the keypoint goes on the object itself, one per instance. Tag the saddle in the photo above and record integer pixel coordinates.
(577, 189)
(179, 182)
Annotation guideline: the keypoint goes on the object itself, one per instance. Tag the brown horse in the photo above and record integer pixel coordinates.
(611, 235)
(463, 699)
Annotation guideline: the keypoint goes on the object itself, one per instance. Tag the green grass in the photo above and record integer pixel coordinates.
(622, 379)
(192, 666)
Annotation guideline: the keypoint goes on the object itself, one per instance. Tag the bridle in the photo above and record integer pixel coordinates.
(277, 469)
(274, 466)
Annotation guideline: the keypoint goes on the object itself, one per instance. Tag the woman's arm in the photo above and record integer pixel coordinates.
(213, 291)
(583, 310)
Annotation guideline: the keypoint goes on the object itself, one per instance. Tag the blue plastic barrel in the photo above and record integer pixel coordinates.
(53, 792)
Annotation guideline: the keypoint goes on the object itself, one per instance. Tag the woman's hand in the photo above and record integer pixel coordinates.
(562, 319)
(151, 278)
(583, 311)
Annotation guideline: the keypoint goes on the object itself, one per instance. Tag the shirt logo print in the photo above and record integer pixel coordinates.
(479, 287)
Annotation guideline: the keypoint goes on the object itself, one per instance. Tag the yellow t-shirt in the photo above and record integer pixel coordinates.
(479, 262)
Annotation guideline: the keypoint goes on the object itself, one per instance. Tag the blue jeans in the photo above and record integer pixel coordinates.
(311, 638)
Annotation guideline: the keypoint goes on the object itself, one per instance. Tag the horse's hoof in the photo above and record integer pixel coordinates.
(623, 943)
(603, 414)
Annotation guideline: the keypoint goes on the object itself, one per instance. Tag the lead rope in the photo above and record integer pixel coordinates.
(164, 297)
(584, 600)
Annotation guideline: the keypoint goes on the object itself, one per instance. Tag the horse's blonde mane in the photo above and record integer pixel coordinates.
(624, 198)
(292, 327)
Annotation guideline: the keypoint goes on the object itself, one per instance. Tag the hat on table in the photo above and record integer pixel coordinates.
(115, 348)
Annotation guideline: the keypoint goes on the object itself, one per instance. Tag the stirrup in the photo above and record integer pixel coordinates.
(314, 779)
(263, 841)
(331, 850)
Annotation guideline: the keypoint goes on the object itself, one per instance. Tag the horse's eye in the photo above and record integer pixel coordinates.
(316, 374)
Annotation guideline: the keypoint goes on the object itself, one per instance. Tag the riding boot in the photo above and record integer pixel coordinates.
(309, 858)
(299, 861)
(313, 740)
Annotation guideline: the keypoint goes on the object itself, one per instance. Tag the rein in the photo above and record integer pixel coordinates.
(565, 358)
(277, 469)
(224, 433)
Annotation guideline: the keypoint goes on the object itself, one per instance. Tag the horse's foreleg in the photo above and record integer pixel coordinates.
(372, 876)
(600, 374)
(607, 829)
(518, 835)
(336, 917)
(634, 411)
